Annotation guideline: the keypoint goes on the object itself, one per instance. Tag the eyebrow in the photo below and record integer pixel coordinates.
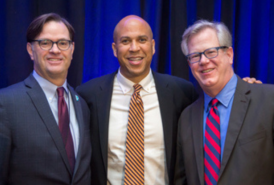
(52, 40)
(126, 37)
(123, 37)
(144, 36)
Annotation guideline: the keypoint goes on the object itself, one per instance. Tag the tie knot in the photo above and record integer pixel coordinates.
(137, 88)
(60, 91)
(214, 102)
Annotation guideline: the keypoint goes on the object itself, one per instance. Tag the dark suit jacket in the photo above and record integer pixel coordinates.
(32, 151)
(248, 157)
(174, 95)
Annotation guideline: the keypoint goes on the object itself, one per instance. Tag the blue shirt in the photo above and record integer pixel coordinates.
(225, 98)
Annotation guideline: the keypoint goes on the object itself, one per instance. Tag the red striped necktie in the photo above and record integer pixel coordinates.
(134, 162)
(63, 120)
(212, 146)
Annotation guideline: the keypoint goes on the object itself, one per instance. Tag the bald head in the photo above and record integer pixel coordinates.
(128, 20)
(134, 47)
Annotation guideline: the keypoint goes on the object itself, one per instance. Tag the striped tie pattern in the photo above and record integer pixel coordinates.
(212, 146)
(134, 162)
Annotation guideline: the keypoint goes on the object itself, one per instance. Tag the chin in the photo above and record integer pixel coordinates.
(207, 83)
(56, 71)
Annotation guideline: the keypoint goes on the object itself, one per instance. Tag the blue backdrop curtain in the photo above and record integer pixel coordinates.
(251, 23)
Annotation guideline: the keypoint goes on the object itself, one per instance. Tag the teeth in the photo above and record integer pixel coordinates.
(54, 59)
(135, 59)
(206, 71)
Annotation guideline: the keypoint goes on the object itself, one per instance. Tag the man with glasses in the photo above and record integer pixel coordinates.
(44, 125)
(226, 136)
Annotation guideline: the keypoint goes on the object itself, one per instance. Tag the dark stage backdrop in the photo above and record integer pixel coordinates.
(251, 23)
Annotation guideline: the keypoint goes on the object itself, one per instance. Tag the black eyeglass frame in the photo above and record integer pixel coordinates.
(200, 53)
(39, 42)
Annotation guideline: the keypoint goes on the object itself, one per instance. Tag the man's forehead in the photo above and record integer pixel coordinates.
(131, 24)
(134, 24)
(54, 27)
(206, 35)
(134, 19)
(205, 30)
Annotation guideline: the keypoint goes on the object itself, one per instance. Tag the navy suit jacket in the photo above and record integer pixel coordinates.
(31, 147)
(248, 156)
(174, 94)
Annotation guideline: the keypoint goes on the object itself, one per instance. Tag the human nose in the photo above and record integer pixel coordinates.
(204, 60)
(134, 46)
(54, 48)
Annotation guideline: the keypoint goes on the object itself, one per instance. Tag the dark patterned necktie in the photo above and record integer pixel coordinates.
(212, 146)
(63, 120)
(134, 162)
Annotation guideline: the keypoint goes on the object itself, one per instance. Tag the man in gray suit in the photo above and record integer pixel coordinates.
(44, 124)
(226, 136)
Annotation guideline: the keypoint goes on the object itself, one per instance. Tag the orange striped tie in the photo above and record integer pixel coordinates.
(134, 164)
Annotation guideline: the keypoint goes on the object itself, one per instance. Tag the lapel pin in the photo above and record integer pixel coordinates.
(77, 98)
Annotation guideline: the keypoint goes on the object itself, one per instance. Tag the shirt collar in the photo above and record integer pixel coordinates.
(126, 85)
(226, 94)
(48, 87)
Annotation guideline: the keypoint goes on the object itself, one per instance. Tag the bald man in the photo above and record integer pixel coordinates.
(108, 97)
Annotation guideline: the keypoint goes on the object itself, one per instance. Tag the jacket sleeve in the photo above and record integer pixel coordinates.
(5, 143)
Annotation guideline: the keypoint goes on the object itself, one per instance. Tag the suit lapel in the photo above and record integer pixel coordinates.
(237, 115)
(103, 101)
(40, 102)
(167, 110)
(197, 112)
(79, 117)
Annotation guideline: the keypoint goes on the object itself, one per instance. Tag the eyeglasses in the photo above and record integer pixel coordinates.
(47, 44)
(209, 53)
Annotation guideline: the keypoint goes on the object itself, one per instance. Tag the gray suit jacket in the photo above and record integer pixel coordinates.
(31, 146)
(248, 156)
(174, 94)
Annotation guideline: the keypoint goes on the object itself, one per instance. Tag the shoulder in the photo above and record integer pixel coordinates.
(14, 96)
(255, 89)
(19, 89)
(173, 80)
(95, 83)
(92, 88)
(262, 87)
(170, 78)
(198, 103)
(13, 90)
(183, 91)
(263, 93)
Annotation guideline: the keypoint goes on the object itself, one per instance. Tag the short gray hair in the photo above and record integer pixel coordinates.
(222, 31)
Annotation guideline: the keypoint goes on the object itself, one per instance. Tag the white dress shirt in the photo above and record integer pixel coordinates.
(50, 91)
(154, 160)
